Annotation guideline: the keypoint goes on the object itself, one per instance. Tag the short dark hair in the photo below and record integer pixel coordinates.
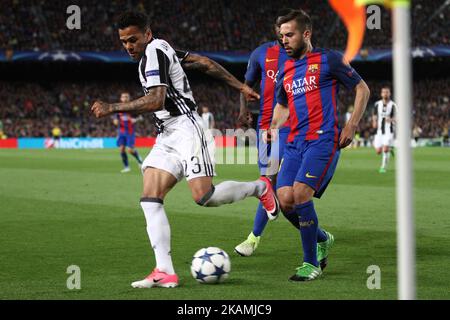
(282, 12)
(132, 18)
(302, 18)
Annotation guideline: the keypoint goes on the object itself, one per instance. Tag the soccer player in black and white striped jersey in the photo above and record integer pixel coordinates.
(384, 120)
(182, 149)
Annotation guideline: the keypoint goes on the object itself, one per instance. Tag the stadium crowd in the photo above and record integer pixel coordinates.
(198, 25)
(67, 105)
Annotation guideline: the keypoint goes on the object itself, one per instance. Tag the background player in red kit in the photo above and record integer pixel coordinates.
(126, 135)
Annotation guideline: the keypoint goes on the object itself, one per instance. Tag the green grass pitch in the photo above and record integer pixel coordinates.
(73, 207)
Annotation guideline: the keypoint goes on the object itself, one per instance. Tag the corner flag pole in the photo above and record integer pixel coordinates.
(349, 11)
(406, 261)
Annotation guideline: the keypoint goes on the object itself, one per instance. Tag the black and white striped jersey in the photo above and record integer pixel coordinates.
(161, 66)
(385, 111)
(181, 54)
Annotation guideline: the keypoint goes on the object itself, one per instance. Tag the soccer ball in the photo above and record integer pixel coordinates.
(210, 265)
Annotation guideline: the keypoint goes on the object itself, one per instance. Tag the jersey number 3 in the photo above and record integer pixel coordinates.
(196, 168)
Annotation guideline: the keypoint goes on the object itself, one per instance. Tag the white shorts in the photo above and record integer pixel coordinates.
(381, 140)
(183, 149)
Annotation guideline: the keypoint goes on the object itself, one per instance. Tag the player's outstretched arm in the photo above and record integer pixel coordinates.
(361, 99)
(215, 70)
(152, 102)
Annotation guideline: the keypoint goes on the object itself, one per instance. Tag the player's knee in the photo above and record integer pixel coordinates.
(286, 200)
(302, 193)
(202, 197)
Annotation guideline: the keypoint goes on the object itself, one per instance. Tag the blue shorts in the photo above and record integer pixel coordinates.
(126, 140)
(270, 155)
(310, 162)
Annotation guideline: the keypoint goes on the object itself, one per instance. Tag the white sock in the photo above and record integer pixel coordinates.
(158, 230)
(385, 159)
(232, 191)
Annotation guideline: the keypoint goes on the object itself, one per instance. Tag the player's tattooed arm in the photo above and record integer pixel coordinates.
(215, 70)
(152, 102)
(361, 99)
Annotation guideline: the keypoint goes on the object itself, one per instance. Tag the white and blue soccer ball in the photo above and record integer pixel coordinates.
(210, 265)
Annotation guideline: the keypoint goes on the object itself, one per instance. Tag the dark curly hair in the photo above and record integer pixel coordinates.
(132, 18)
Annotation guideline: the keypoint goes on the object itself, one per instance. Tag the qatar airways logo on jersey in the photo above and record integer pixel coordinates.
(301, 86)
(272, 74)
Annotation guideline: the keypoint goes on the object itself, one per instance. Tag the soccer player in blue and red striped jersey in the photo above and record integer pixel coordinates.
(126, 135)
(263, 66)
(307, 90)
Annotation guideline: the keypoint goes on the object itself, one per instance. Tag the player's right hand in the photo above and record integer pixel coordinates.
(101, 109)
(270, 135)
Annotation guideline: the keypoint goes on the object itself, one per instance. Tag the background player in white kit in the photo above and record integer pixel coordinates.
(181, 150)
(384, 120)
(208, 118)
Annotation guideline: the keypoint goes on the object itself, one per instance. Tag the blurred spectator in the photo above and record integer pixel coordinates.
(67, 105)
(2, 135)
(446, 132)
(9, 53)
(56, 135)
(417, 132)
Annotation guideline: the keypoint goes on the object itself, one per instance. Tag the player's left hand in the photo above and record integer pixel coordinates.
(245, 117)
(101, 109)
(249, 94)
(347, 135)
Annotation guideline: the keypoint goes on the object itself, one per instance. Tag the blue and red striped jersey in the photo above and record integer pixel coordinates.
(263, 65)
(126, 125)
(309, 87)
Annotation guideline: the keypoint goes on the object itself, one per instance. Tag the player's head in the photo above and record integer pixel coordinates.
(295, 32)
(385, 93)
(124, 97)
(134, 33)
(205, 109)
(276, 28)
